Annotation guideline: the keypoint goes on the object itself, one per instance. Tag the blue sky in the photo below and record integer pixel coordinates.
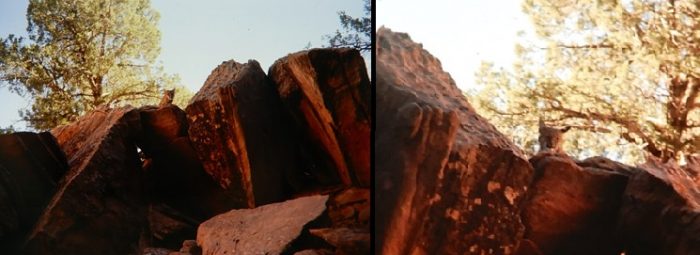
(196, 36)
(461, 33)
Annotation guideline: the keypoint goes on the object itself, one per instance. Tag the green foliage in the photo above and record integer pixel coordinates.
(83, 54)
(182, 96)
(624, 74)
(357, 32)
(7, 130)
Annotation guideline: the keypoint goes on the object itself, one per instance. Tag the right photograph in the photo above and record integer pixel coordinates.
(537, 127)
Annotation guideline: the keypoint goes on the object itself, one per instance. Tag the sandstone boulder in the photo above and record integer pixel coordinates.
(350, 208)
(573, 210)
(660, 212)
(190, 247)
(175, 177)
(268, 229)
(347, 241)
(99, 207)
(242, 136)
(448, 181)
(328, 93)
(181, 193)
(161, 125)
(604, 164)
(31, 165)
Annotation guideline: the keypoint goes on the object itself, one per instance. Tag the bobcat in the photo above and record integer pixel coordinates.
(168, 96)
(551, 138)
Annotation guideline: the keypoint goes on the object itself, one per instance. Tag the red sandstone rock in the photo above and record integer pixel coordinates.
(573, 210)
(239, 130)
(527, 247)
(605, 164)
(268, 229)
(30, 166)
(182, 194)
(328, 93)
(348, 241)
(176, 177)
(161, 125)
(447, 182)
(350, 208)
(660, 213)
(314, 252)
(692, 168)
(99, 206)
(245, 150)
(190, 247)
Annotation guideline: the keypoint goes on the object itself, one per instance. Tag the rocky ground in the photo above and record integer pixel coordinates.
(257, 163)
(450, 183)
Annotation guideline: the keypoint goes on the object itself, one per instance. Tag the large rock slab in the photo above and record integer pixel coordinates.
(448, 181)
(347, 241)
(181, 193)
(573, 210)
(328, 93)
(99, 206)
(176, 177)
(350, 208)
(242, 136)
(660, 213)
(161, 125)
(268, 229)
(31, 165)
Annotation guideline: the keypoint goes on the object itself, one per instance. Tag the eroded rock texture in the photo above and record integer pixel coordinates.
(175, 175)
(350, 208)
(30, 167)
(447, 182)
(328, 93)
(573, 210)
(267, 229)
(242, 136)
(660, 213)
(140, 181)
(347, 241)
(99, 207)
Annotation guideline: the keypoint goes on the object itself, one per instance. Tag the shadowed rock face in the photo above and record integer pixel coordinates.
(99, 207)
(346, 240)
(161, 125)
(660, 213)
(244, 140)
(350, 207)
(448, 181)
(30, 167)
(573, 210)
(327, 92)
(175, 175)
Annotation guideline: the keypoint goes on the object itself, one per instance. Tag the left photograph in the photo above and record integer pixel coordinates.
(167, 127)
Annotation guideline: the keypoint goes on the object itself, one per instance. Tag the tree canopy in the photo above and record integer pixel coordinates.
(624, 74)
(83, 54)
(357, 32)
